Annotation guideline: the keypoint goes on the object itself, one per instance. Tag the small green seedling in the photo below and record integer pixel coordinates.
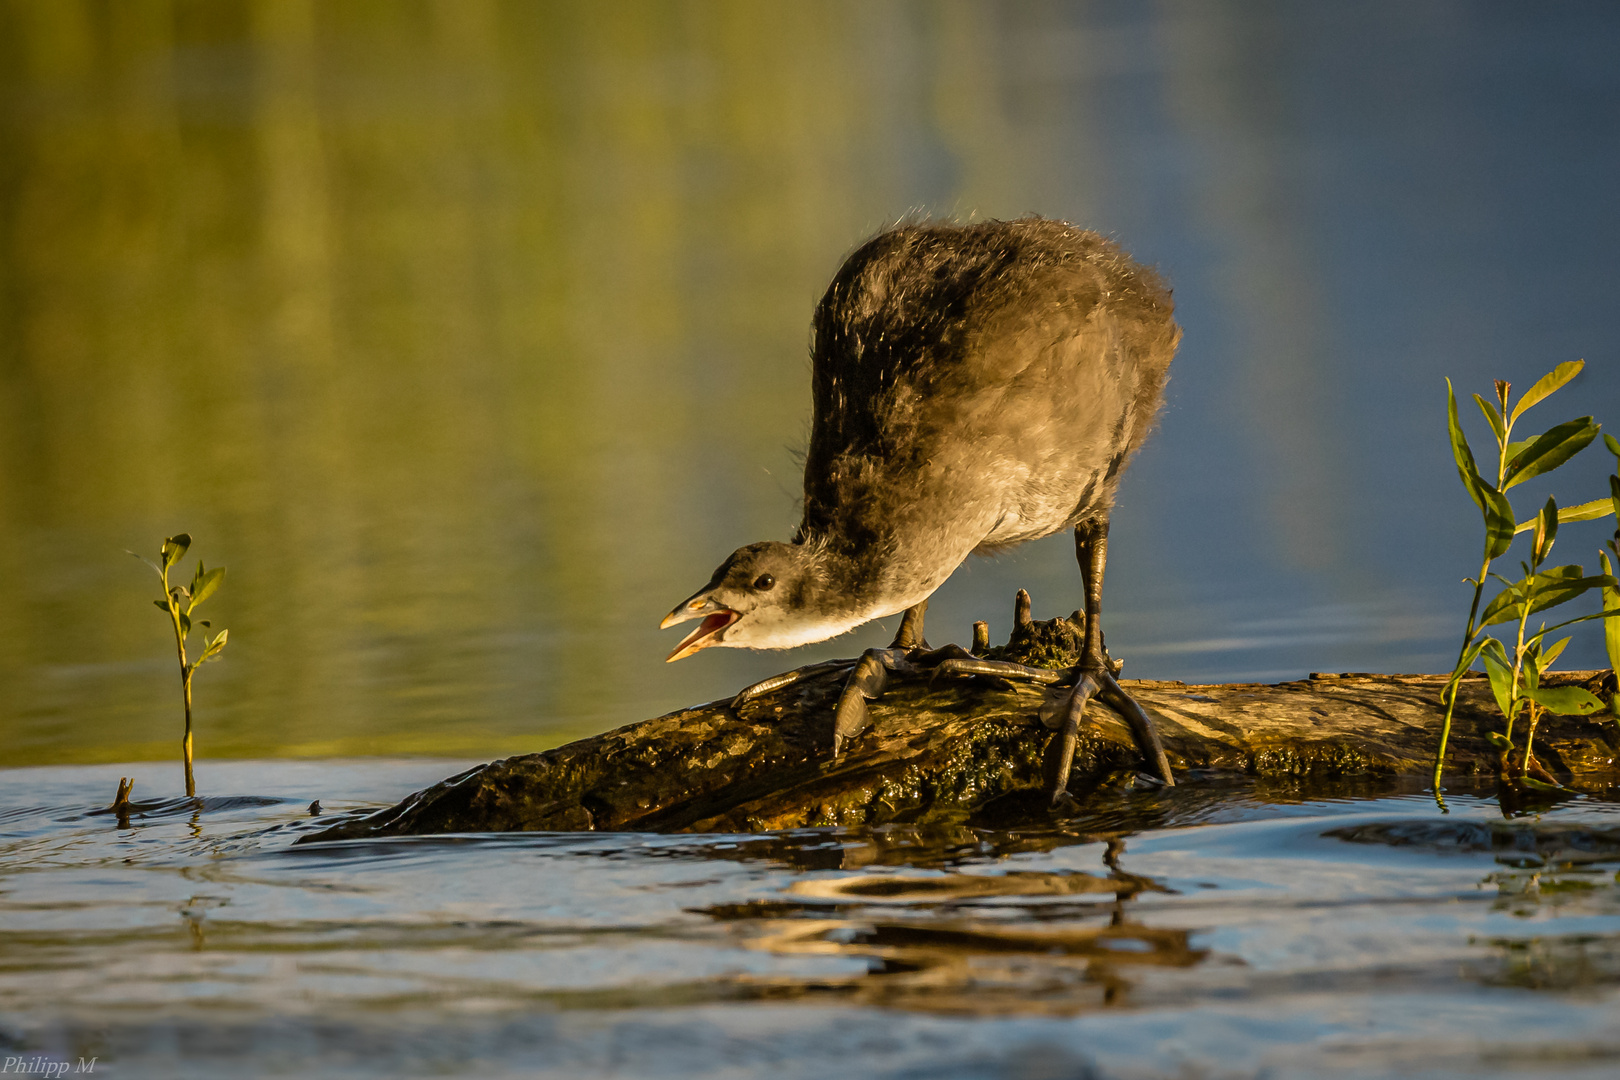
(179, 602)
(1516, 675)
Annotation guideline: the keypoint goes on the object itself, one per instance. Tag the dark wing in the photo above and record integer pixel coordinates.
(893, 323)
(926, 330)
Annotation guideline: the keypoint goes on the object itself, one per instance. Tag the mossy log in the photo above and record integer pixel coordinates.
(969, 751)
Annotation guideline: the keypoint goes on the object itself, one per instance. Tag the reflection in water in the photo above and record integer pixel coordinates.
(1564, 870)
(1285, 936)
(1581, 962)
(1571, 885)
(1520, 843)
(971, 943)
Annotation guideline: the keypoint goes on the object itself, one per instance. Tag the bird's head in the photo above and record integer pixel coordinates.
(760, 598)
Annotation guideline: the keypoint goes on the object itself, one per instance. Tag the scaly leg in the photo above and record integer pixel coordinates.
(910, 634)
(1091, 551)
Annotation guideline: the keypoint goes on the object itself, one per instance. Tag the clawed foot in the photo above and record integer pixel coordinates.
(787, 678)
(1068, 691)
(871, 677)
(868, 679)
(1064, 707)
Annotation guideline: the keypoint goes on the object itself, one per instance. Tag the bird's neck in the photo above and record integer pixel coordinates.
(858, 579)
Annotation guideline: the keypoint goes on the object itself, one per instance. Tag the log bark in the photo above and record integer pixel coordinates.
(966, 752)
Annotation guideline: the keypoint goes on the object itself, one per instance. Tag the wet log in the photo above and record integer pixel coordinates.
(969, 752)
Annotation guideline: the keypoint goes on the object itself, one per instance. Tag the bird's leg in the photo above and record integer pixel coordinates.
(1091, 551)
(910, 634)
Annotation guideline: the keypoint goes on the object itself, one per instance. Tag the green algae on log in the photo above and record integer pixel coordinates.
(965, 751)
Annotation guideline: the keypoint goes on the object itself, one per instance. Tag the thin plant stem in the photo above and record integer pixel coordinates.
(185, 678)
(1518, 662)
(1452, 691)
(185, 744)
(1530, 740)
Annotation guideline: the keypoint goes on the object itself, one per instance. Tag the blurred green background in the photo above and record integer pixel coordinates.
(472, 334)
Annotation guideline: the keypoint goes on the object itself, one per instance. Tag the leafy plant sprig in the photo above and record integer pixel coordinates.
(179, 602)
(1516, 677)
(1611, 593)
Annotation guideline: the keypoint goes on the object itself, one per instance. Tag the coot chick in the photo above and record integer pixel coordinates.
(974, 387)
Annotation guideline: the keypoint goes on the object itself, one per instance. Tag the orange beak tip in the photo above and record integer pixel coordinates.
(704, 635)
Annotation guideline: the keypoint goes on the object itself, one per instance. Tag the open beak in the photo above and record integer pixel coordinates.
(716, 618)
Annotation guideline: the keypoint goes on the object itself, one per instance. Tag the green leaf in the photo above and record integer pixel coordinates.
(1614, 495)
(1530, 668)
(1546, 532)
(1549, 450)
(1465, 662)
(1552, 587)
(1587, 511)
(1498, 521)
(1464, 457)
(1552, 652)
(1565, 700)
(1611, 624)
(174, 549)
(206, 584)
(1583, 618)
(185, 625)
(1492, 417)
(162, 605)
(215, 646)
(1505, 605)
(1500, 670)
(1614, 446)
(1492, 503)
(1545, 385)
(1499, 740)
(1539, 785)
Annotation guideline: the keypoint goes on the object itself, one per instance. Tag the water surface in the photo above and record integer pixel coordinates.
(1232, 931)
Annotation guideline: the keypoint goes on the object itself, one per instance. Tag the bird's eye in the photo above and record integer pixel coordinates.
(763, 582)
